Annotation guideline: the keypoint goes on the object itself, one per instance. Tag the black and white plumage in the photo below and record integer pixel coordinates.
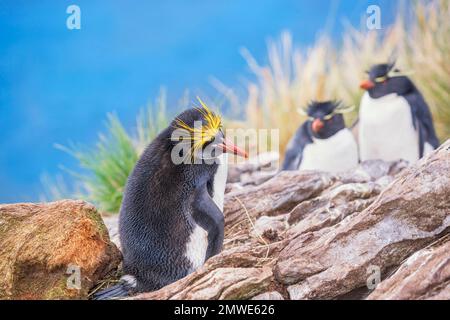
(171, 218)
(394, 119)
(322, 142)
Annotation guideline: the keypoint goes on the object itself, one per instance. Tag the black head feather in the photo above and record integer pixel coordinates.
(326, 113)
(387, 79)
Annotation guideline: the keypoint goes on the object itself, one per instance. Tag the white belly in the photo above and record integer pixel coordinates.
(386, 129)
(196, 247)
(335, 154)
(220, 181)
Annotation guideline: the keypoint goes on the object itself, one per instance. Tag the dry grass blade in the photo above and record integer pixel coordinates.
(266, 244)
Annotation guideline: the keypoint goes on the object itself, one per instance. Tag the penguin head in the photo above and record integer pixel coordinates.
(198, 134)
(325, 118)
(384, 79)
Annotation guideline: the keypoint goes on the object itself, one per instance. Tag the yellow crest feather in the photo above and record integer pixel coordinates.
(210, 127)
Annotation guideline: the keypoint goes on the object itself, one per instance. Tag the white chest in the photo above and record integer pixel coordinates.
(220, 181)
(386, 129)
(335, 154)
(196, 247)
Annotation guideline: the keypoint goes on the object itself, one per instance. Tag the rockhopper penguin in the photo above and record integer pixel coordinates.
(171, 218)
(394, 119)
(322, 142)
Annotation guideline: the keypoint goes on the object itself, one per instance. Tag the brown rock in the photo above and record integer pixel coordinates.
(285, 190)
(269, 226)
(41, 243)
(254, 171)
(220, 283)
(272, 295)
(409, 214)
(425, 275)
(276, 196)
(333, 205)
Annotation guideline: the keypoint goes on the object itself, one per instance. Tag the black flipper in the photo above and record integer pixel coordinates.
(208, 216)
(423, 121)
(294, 153)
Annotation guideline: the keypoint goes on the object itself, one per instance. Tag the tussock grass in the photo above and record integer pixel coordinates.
(327, 71)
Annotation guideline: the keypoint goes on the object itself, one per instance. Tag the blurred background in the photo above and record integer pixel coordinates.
(78, 106)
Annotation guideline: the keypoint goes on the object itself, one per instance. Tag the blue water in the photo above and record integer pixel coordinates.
(56, 84)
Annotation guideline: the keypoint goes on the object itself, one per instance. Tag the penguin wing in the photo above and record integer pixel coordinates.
(294, 152)
(208, 216)
(422, 115)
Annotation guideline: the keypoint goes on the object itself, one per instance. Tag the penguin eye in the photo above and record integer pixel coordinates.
(329, 116)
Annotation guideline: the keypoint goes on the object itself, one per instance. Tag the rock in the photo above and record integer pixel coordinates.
(220, 283)
(314, 235)
(424, 275)
(44, 247)
(333, 205)
(285, 190)
(112, 224)
(413, 211)
(272, 295)
(256, 178)
(255, 170)
(276, 196)
(270, 227)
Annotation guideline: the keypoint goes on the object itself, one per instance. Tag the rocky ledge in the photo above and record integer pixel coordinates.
(381, 231)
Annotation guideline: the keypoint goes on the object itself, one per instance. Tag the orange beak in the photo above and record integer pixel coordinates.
(367, 84)
(317, 125)
(229, 147)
